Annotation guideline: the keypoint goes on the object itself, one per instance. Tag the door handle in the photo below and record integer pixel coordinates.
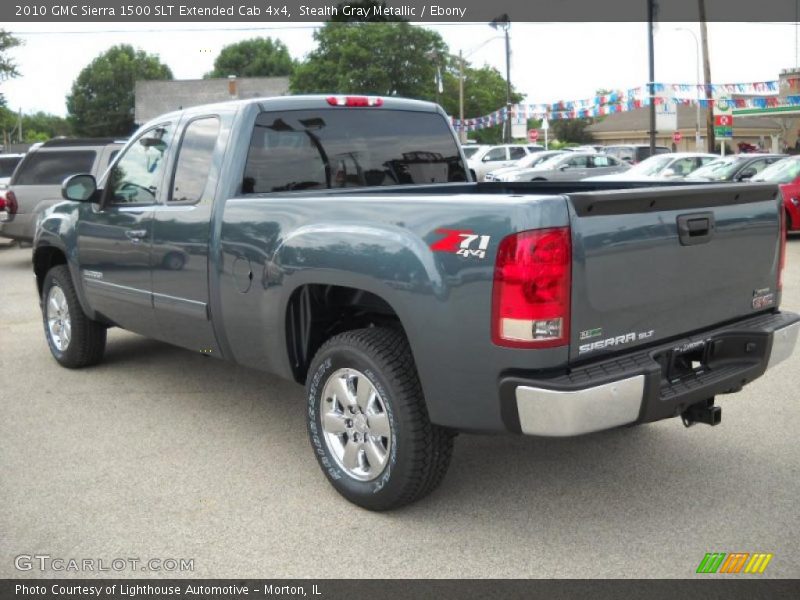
(135, 235)
(696, 228)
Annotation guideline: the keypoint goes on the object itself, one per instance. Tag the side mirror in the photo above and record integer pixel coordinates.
(668, 173)
(563, 167)
(747, 174)
(485, 158)
(79, 188)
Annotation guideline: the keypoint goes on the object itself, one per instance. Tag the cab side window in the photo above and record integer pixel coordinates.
(194, 160)
(137, 175)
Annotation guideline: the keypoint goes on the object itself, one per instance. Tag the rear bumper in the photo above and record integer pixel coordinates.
(19, 227)
(646, 385)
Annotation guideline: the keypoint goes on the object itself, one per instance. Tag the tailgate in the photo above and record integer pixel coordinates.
(651, 264)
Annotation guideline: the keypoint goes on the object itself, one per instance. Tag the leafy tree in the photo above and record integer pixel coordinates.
(257, 57)
(42, 126)
(572, 130)
(8, 68)
(102, 98)
(386, 59)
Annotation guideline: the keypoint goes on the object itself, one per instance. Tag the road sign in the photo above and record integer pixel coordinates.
(545, 124)
(677, 137)
(723, 118)
(533, 135)
(723, 132)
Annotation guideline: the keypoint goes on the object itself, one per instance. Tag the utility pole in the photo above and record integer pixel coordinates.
(710, 138)
(462, 133)
(652, 76)
(503, 22)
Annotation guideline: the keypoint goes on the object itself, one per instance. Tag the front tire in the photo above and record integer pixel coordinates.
(75, 340)
(368, 424)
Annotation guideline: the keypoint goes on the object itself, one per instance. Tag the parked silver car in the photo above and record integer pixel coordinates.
(497, 157)
(570, 166)
(36, 183)
(528, 162)
(661, 166)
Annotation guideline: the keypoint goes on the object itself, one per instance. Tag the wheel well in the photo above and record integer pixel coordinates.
(44, 259)
(317, 312)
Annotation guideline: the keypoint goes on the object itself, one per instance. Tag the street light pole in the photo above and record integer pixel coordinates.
(462, 133)
(503, 22)
(697, 89)
(652, 75)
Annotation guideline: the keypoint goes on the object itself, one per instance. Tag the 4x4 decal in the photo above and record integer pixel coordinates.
(462, 242)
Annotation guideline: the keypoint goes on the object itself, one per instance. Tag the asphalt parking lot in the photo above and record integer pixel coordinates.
(162, 453)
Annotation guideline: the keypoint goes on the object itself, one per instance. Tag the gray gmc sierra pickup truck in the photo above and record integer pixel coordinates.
(338, 241)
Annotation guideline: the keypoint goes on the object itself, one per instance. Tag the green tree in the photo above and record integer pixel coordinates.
(257, 57)
(42, 126)
(386, 59)
(8, 68)
(571, 131)
(102, 97)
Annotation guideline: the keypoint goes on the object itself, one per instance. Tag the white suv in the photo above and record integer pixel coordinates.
(498, 157)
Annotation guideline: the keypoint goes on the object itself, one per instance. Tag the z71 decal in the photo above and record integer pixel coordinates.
(462, 242)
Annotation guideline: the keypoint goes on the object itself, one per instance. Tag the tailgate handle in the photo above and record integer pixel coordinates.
(696, 228)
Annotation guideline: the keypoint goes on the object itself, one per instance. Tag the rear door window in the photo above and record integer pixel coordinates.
(336, 148)
(516, 152)
(51, 168)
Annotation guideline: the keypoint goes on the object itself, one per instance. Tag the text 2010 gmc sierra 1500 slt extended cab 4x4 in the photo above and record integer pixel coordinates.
(338, 241)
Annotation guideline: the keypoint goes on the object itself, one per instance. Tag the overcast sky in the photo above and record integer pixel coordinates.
(550, 62)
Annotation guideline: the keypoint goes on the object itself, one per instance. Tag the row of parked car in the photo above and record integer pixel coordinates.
(31, 183)
(625, 163)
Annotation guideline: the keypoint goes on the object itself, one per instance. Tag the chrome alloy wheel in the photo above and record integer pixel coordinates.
(59, 325)
(356, 424)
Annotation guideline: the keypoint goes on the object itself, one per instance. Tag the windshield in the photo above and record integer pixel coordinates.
(534, 159)
(550, 162)
(783, 171)
(719, 169)
(470, 151)
(650, 166)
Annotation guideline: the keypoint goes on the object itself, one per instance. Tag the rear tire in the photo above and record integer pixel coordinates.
(368, 424)
(75, 340)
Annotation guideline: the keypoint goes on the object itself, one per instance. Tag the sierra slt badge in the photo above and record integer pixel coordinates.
(619, 340)
(763, 298)
(461, 241)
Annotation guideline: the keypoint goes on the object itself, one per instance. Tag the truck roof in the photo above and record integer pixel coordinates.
(302, 102)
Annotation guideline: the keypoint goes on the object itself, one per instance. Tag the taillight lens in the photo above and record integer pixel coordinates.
(355, 101)
(2, 203)
(782, 250)
(11, 203)
(532, 282)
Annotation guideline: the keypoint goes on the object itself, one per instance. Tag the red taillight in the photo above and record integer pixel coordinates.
(2, 203)
(782, 249)
(355, 101)
(531, 297)
(11, 203)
